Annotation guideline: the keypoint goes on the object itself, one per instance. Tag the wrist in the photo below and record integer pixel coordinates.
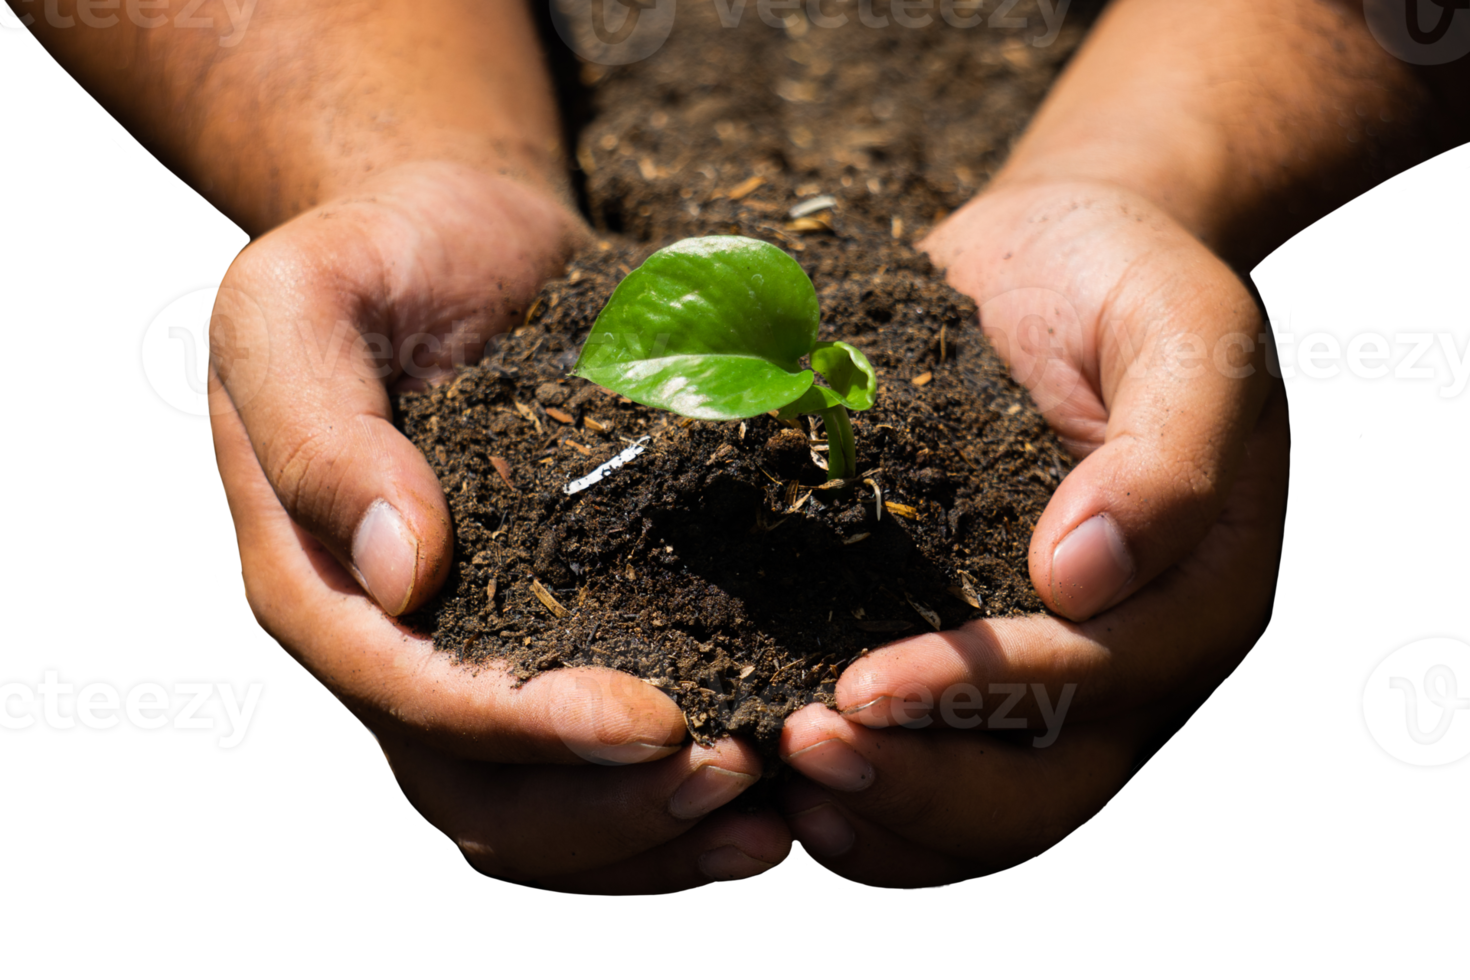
(1243, 122)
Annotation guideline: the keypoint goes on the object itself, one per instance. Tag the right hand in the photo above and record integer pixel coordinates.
(342, 526)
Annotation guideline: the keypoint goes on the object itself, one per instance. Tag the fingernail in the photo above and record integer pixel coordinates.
(385, 556)
(822, 831)
(877, 713)
(707, 790)
(1089, 568)
(833, 764)
(730, 863)
(886, 711)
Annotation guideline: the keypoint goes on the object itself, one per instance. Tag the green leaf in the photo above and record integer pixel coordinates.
(711, 328)
(814, 401)
(848, 372)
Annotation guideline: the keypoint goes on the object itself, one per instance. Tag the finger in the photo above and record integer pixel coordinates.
(728, 845)
(1175, 440)
(525, 823)
(392, 678)
(1144, 351)
(1182, 634)
(859, 849)
(320, 317)
(972, 798)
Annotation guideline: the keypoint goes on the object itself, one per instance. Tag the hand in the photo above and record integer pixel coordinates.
(342, 526)
(1148, 356)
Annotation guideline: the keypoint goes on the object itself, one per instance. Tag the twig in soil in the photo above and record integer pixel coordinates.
(528, 415)
(967, 592)
(803, 226)
(744, 187)
(901, 510)
(532, 352)
(878, 496)
(503, 468)
(812, 206)
(930, 616)
(597, 475)
(943, 354)
(548, 600)
(560, 416)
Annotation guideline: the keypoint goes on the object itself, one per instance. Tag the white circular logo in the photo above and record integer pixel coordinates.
(1415, 702)
(613, 32)
(1421, 32)
(175, 352)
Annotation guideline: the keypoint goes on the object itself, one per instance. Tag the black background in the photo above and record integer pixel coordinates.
(1270, 789)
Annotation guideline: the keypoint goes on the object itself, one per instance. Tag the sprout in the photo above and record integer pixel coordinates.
(715, 328)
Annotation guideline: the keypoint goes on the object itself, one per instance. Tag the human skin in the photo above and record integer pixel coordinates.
(1183, 143)
(400, 168)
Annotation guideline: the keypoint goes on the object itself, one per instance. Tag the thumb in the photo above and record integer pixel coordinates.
(1183, 383)
(318, 318)
(304, 345)
(313, 399)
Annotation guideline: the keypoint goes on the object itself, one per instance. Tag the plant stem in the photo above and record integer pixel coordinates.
(841, 452)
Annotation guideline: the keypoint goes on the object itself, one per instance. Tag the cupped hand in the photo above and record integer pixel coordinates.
(1158, 553)
(580, 779)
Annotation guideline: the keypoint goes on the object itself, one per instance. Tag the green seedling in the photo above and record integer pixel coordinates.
(716, 328)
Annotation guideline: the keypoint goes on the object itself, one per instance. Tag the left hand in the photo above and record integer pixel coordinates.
(1147, 355)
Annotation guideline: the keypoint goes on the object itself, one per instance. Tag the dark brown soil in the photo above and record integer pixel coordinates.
(709, 565)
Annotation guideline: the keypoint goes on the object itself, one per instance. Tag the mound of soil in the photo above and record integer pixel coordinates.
(711, 564)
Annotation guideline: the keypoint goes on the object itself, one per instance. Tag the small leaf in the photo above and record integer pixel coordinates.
(709, 328)
(848, 372)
